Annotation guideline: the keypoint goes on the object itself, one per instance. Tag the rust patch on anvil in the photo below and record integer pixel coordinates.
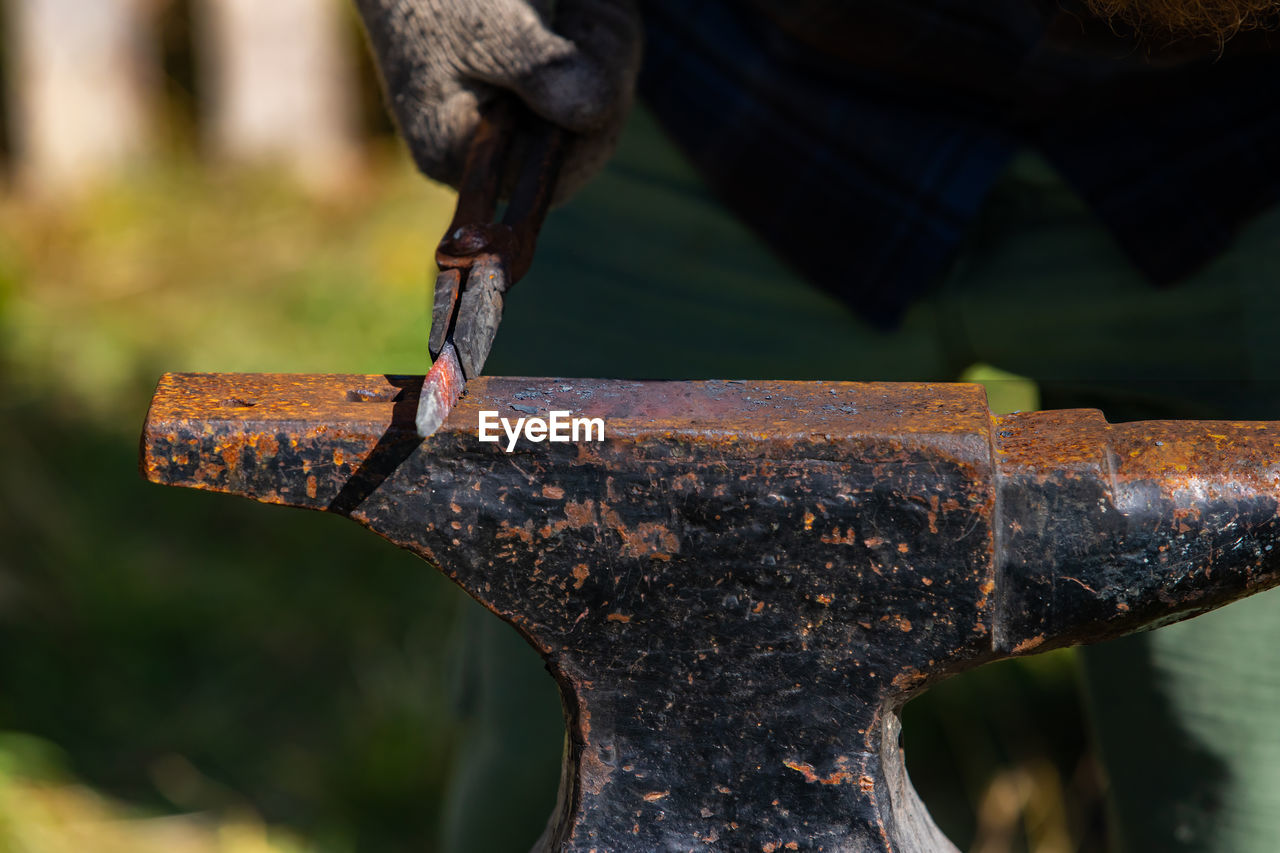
(279, 438)
(842, 775)
(647, 539)
(739, 587)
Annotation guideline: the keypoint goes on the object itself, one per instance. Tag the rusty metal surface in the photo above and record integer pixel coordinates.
(739, 588)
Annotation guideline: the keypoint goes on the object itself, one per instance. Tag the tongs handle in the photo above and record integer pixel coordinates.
(480, 259)
(472, 232)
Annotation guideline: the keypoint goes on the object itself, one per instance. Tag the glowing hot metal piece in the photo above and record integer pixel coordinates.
(441, 389)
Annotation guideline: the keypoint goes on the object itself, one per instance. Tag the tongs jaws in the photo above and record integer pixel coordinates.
(480, 259)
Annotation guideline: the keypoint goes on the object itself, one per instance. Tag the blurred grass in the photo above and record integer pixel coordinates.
(42, 810)
(188, 653)
(184, 270)
(1006, 392)
(182, 671)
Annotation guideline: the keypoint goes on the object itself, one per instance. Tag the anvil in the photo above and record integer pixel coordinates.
(739, 587)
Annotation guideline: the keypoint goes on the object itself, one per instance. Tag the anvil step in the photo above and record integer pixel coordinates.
(739, 587)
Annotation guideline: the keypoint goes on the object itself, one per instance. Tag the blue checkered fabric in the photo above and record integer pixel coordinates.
(859, 138)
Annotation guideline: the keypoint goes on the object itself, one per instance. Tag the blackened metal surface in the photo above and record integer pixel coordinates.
(444, 305)
(741, 585)
(479, 313)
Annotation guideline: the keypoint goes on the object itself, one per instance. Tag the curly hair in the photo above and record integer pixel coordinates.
(1219, 19)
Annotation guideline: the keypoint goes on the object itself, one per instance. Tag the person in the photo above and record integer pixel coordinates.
(1084, 192)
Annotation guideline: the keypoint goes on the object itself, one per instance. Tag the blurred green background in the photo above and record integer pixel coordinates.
(182, 671)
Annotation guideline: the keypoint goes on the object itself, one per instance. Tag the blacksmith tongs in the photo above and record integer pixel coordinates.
(480, 259)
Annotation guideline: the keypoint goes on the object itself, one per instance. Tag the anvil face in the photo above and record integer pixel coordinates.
(741, 584)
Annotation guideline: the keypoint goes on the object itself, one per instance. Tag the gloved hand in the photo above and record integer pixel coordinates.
(442, 60)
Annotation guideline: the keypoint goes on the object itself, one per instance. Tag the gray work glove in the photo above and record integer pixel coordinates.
(441, 60)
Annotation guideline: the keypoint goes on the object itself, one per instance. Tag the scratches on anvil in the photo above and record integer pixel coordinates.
(652, 539)
(1080, 582)
(842, 712)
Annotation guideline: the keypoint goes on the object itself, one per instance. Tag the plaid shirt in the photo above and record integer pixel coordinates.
(859, 138)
